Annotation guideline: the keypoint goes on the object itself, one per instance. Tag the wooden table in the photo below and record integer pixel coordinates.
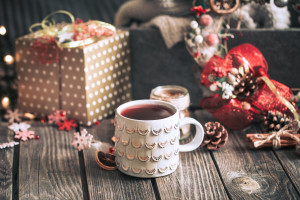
(51, 168)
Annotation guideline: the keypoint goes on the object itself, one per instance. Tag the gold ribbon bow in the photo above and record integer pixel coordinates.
(49, 28)
(287, 130)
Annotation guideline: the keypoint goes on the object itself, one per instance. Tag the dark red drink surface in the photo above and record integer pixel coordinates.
(147, 112)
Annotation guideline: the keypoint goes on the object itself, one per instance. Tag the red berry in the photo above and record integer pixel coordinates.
(63, 113)
(43, 120)
(212, 39)
(111, 150)
(37, 137)
(79, 21)
(206, 20)
(97, 123)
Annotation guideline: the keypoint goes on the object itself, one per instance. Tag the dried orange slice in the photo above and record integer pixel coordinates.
(106, 160)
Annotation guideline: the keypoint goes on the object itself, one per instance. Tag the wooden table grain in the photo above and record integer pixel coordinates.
(50, 168)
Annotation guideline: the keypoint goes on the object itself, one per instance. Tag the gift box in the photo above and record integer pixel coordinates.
(87, 81)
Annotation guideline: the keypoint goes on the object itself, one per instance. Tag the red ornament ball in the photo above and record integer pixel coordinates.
(212, 39)
(206, 20)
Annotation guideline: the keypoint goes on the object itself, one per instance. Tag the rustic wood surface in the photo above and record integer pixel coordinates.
(250, 174)
(50, 168)
(6, 164)
(290, 162)
(195, 178)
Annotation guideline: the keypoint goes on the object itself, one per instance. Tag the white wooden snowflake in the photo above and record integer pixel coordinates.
(19, 126)
(58, 116)
(8, 144)
(65, 36)
(24, 135)
(12, 116)
(82, 140)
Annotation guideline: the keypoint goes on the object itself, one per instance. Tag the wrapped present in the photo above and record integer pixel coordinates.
(87, 76)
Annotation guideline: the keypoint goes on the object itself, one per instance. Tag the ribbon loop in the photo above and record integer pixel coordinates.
(47, 24)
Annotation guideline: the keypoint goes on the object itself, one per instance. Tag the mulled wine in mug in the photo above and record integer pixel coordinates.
(147, 138)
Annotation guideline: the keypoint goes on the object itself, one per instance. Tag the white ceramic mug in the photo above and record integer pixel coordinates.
(150, 148)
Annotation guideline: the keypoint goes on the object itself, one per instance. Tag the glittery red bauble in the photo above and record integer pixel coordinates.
(229, 112)
(265, 100)
(236, 57)
(233, 113)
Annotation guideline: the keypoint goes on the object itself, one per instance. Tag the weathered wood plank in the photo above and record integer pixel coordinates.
(104, 184)
(6, 163)
(49, 167)
(250, 174)
(195, 178)
(291, 164)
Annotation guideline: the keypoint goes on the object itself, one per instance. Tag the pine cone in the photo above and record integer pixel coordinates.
(274, 121)
(246, 85)
(215, 136)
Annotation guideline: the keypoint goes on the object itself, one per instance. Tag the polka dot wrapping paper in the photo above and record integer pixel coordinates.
(89, 82)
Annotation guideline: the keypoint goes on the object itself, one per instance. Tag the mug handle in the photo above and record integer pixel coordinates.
(197, 140)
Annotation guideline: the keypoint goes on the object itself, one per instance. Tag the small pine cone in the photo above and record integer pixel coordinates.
(246, 85)
(215, 136)
(274, 121)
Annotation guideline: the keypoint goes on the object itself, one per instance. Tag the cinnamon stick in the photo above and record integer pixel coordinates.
(281, 141)
(285, 141)
(249, 135)
(251, 145)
